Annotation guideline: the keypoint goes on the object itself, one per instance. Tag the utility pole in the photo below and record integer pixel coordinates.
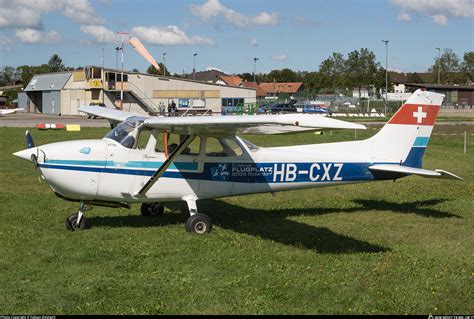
(164, 64)
(194, 66)
(386, 75)
(121, 78)
(254, 68)
(438, 64)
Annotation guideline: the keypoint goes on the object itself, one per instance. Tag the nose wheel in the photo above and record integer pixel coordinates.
(77, 221)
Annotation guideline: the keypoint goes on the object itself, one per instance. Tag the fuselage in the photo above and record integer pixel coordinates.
(105, 170)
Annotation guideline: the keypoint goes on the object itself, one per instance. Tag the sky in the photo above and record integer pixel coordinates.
(229, 34)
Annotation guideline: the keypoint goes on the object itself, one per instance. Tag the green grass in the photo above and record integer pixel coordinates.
(375, 248)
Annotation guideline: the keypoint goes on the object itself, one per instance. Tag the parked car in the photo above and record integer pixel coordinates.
(279, 108)
(315, 109)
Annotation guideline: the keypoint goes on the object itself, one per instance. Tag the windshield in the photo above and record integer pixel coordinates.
(126, 132)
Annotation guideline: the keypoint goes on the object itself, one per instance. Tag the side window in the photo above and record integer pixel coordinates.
(174, 140)
(222, 147)
(143, 139)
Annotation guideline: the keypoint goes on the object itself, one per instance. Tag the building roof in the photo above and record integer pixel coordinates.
(207, 76)
(281, 87)
(429, 86)
(253, 85)
(48, 82)
(402, 78)
(231, 80)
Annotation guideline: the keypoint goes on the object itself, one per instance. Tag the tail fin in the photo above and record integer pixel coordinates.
(405, 136)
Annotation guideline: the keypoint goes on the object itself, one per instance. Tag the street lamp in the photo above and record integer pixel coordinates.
(164, 64)
(254, 68)
(121, 78)
(194, 66)
(386, 75)
(438, 63)
(116, 60)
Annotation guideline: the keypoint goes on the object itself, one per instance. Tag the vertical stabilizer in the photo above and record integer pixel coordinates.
(405, 136)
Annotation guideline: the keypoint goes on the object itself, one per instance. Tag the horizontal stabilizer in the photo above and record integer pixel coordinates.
(437, 173)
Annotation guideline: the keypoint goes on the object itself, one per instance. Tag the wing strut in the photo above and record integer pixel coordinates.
(160, 171)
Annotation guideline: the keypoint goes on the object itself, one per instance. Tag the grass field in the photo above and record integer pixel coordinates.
(376, 248)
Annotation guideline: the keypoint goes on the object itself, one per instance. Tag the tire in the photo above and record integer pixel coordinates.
(199, 224)
(72, 225)
(152, 210)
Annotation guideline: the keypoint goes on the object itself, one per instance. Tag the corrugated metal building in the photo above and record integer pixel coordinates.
(65, 92)
(457, 96)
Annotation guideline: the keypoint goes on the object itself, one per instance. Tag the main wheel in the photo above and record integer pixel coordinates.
(152, 210)
(73, 225)
(199, 224)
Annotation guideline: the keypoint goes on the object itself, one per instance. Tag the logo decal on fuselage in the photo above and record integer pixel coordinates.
(85, 150)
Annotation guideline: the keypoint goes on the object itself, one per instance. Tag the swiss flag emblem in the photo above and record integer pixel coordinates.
(416, 114)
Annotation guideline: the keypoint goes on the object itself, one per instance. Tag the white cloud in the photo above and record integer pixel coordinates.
(4, 41)
(403, 16)
(170, 35)
(300, 21)
(254, 42)
(281, 57)
(213, 9)
(440, 19)
(101, 34)
(29, 13)
(439, 11)
(32, 36)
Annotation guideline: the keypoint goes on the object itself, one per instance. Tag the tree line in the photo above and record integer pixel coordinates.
(338, 74)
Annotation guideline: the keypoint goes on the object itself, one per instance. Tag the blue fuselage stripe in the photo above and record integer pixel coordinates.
(244, 172)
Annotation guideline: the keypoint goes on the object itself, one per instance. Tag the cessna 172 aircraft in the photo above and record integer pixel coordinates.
(210, 160)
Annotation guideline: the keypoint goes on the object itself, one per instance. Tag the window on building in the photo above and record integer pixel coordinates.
(232, 102)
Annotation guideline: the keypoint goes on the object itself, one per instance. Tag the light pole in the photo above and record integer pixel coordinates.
(164, 64)
(438, 63)
(254, 68)
(116, 60)
(194, 66)
(386, 75)
(121, 77)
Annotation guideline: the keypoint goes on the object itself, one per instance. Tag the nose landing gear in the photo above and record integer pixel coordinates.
(77, 221)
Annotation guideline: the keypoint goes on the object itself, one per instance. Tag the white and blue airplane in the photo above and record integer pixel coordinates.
(211, 161)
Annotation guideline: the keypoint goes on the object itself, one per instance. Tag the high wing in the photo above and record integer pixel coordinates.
(114, 116)
(231, 124)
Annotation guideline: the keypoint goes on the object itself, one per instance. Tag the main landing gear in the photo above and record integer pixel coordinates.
(152, 210)
(197, 223)
(77, 221)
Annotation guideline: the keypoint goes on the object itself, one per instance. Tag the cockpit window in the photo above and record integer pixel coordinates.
(126, 133)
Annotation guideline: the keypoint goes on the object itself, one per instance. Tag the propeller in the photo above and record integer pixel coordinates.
(34, 157)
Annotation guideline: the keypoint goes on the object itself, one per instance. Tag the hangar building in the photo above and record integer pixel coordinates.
(65, 92)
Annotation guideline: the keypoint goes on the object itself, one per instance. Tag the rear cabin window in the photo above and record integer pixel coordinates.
(222, 147)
